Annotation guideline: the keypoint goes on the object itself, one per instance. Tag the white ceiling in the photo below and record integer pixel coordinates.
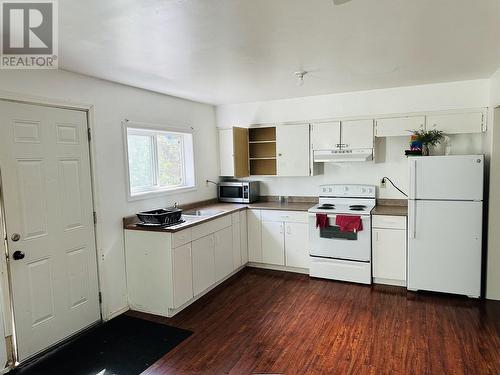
(230, 51)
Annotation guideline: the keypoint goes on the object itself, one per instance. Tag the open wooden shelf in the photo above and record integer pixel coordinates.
(263, 167)
(262, 150)
(262, 134)
(261, 142)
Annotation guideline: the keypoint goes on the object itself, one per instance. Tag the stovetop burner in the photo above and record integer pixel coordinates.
(327, 206)
(357, 207)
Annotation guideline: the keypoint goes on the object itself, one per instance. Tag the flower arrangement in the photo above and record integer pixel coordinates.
(424, 138)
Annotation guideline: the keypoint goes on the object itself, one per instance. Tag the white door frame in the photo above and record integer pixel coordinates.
(89, 110)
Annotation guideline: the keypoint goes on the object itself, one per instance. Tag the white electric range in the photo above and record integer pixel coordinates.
(341, 255)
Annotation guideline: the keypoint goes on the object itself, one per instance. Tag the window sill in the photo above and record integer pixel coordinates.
(160, 193)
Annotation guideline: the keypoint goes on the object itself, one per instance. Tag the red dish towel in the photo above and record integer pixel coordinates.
(321, 221)
(349, 223)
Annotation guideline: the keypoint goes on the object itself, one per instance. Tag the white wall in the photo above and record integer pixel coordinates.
(113, 103)
(493, 264)
(390, 160)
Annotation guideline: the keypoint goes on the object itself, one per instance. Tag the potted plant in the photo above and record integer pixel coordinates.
(428, 138)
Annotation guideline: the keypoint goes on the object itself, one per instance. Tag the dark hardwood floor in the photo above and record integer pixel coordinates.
(263, 321)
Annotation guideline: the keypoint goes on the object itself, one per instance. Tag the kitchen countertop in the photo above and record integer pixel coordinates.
(391, 207)
(130, 222)
(290, 206)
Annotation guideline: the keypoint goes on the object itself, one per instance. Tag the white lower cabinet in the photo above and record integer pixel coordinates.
(165, 271)
(223, 253)
(203, 253)
(235, 219)
(273, 243)
(389, 249)
(296, 245)
(254, 236)
(182, 273)
(243, 237)
(284, 238)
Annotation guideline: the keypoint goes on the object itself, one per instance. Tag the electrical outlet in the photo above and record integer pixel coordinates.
(382, 183)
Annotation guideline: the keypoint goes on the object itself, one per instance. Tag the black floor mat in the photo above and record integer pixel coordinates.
(122, 346)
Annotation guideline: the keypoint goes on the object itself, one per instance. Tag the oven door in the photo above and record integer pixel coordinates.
(231, 193)
(330, 242)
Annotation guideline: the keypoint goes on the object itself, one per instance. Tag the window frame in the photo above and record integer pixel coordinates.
(154, 130)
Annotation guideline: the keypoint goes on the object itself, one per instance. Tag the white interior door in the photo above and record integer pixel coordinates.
(292, 148)
(46, 182)
(444, 246)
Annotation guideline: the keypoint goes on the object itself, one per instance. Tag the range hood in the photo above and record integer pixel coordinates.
(342, 156)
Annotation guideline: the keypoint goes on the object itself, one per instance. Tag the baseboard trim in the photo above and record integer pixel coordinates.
(274, 267)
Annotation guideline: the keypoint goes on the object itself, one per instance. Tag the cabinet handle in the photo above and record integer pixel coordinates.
(281, 228)
(288, 229)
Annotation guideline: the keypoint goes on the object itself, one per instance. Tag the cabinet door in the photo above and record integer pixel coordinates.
(325, 136)
(292, 150)
(182, 273)
(296, 245)
(223, 253)
(240, 152)
(357, 134)
(254, 236)
(273, 243)
(203, 250)
(389, 254)
(244, 237)
(398, 126)
(226, 152)
(235, 218)
(456, 123)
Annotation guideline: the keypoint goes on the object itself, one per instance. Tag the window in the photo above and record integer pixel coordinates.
(159, 161)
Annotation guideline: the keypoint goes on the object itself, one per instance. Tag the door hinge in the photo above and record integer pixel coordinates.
(89, 134)
(94, 215)
(100, 297)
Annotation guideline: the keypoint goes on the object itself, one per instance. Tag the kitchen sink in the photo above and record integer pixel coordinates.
(202, 213)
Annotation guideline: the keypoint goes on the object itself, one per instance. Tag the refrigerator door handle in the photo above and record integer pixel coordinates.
(413, 218)
(413, 179)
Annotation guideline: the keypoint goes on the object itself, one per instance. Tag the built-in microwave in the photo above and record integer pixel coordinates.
(238, 191)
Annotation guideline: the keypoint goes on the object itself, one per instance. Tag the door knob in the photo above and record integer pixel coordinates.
(15, 237)
(18, 255)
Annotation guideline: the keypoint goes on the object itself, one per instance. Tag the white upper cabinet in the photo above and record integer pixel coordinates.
(357, 134)
(398, 126)
(233, 152)
(325, 136)
(226, 152)
(292, 149)
(457, 123)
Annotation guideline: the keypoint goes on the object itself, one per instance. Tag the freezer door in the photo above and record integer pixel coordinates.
(457, 177)
(444, 246)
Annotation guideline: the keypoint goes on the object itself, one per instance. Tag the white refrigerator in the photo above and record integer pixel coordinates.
(445, 215)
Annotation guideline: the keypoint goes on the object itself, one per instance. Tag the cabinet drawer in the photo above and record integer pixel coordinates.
(181, 238)
(288, 216)
(389, 222)
(210, 227)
